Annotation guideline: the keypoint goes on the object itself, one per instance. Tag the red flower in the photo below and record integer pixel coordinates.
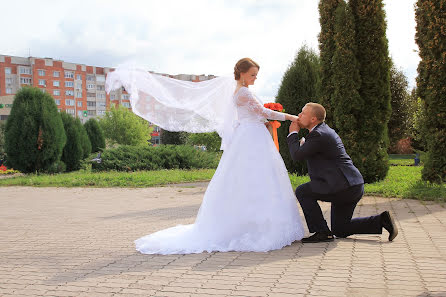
(3, 168)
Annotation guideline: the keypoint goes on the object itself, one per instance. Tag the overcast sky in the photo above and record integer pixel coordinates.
(192, 37)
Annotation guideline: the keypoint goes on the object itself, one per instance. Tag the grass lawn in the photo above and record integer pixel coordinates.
(402, 181)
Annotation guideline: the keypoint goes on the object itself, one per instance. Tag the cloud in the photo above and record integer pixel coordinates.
(199, 37)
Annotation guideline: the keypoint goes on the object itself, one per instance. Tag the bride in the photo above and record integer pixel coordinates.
(249, 204)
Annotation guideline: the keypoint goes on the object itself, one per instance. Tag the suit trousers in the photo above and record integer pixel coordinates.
(343, 204)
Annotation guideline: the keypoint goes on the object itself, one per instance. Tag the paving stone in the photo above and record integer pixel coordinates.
(79, 242)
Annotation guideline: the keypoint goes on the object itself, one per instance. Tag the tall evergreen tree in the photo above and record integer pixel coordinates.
(85, 141)
(300, 85)
(327, 46)
(374, 65)
(95, 134)
(34, 136)
(347, 105)
(430, 16)
(72, 151)
(400, 120)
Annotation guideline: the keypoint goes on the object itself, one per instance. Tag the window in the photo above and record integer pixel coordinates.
(8, 90)
(78, 77)
(25, 80)
(125, 96)
(25, 70)
(101, 112)
(78, 94)
(41, 72)
(69, 92)
(101, 104)
(91, 94)
(56, 83)
(100, 88)
(56, 92)
(56, 74)
(90, 86)
(126, 104)
(91, 112)
(100, 78)
(90, 77)
(57, 101)
(91, 103)
(112, 97)
(9, 80)
(79, 113)
(79, 103)
(42, 82)
(7, 70)
(100, 96)
(69, 102)
(70, 111)
(78, 85)
(69, 84)
(69, 74)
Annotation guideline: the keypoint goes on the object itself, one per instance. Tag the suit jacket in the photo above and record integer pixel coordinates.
(330, 168)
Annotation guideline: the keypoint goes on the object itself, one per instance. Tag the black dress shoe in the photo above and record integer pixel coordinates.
(388, 224)
(318, 237)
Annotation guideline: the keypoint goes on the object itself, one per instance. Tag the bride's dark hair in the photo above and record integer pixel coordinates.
(243, 66)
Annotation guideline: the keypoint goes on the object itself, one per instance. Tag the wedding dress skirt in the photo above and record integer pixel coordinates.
(249, 204)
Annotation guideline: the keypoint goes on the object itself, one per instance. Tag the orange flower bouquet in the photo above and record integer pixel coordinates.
(275, 124)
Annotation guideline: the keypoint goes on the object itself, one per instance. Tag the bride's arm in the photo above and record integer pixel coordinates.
(246, 98)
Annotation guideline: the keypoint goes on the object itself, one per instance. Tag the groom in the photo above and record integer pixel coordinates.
(333, 178)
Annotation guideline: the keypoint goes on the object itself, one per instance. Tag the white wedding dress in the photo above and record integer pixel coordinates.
(249, 204)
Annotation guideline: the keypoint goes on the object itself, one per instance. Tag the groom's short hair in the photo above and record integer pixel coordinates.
(318, 111)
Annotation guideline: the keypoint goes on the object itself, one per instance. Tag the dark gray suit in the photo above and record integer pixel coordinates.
(335, 179)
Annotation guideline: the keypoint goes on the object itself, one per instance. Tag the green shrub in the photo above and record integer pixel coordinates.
(72, 151)
(95, 134)
(85, 140)
(34, 135)
(132, 158)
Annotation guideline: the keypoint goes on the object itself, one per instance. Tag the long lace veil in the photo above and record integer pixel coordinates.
(177, 105)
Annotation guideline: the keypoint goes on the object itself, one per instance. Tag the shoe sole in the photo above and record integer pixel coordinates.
(325, 240)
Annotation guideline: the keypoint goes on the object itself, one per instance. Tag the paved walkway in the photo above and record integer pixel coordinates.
(79, 242)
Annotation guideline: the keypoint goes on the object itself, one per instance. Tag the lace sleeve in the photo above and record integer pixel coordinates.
(246, 98)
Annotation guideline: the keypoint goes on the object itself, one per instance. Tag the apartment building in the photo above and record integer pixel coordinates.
(77, 89)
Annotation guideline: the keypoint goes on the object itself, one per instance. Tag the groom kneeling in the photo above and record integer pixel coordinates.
(334, 179)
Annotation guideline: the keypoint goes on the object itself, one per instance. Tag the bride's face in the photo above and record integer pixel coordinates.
(249, 77)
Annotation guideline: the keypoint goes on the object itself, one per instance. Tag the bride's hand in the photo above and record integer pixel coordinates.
(291, 117)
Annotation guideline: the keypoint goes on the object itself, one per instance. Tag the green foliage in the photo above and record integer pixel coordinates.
(138, 179)
(346, 103)
(72, 151)
(400, 120)
(95, 134)
(34, 136)
(132, 158)
(374, 65)
(85, 140)
(168, 137)
(2, 140)
(300, 85)
(418, 128)
(121, 126)
(212, 141)
(431, 81)
(327, 9)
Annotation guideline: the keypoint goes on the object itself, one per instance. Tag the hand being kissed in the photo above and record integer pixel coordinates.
(295, 126)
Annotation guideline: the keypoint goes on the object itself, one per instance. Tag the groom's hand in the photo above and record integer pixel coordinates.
(294, 127)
